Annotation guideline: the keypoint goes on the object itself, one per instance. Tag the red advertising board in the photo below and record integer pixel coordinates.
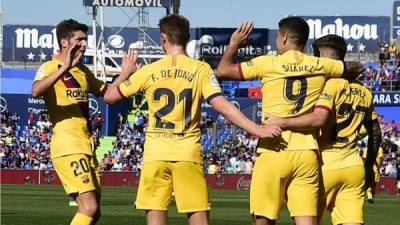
(219, 181)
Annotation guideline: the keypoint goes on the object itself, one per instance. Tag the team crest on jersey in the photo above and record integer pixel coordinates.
(85, 179)
(214, 81)
(249, 63)
(325, 96)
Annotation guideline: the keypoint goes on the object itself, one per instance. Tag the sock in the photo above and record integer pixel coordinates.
(81, 219)
(369, 193)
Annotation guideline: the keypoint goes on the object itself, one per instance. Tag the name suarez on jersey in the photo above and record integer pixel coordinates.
(174, 74)
(300, 68)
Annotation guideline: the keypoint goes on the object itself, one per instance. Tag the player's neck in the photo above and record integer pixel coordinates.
(62, 56)
(175, 50)
(292, 47)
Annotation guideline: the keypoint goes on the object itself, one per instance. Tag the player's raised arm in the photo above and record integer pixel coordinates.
(231, 113)
(228, 68)
(129, 66)
(41, 84)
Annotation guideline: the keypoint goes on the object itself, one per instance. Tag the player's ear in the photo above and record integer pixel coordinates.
(64, 43)
(163, 38)
(284, 39)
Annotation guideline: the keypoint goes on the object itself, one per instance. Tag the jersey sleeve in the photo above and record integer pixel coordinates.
(43, 72)
(253, 69)
(209, 84)
(135, 83)
(327, 97)
(332, 68)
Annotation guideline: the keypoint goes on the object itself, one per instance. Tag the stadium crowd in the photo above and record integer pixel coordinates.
(385, 76)
(226, 149)
(28, 147)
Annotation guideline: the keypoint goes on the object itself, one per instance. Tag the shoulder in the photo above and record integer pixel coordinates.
(48, 65)
(337, 84)
(46, 68)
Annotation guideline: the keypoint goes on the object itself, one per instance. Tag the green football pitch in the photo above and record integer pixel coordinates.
(41, 205)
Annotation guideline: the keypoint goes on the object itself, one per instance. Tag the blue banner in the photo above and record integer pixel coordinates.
(362, 33)
(38, 43)
(24, 103)
(250, 107)
(209, 44)
(386, 98)
(29, 43)
(396, 20)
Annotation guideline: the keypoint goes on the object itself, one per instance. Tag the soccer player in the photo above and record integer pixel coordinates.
(174, 87)
(342, 108)
(370, 187)
(291, 83)
(64, 84)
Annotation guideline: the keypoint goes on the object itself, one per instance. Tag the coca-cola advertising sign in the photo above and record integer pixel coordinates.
(229, 181)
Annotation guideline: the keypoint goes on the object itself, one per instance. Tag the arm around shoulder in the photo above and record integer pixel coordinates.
(231, 113)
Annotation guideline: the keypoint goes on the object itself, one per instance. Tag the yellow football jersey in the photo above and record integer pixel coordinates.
(351, 105)
(291, 84)
(174, 87)
(67, 105)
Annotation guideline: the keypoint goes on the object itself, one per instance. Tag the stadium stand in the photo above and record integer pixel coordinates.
(226, 149)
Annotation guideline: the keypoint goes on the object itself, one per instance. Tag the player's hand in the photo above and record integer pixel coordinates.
(73, 55)
(269, 131)
(241, 35)
(369, 176)
(273, 120)
(129, 62)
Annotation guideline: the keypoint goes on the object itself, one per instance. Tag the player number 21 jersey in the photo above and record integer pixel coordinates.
(174, 88)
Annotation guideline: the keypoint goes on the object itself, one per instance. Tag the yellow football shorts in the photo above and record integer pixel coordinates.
(344, 195)
(285, 174)
(78, 173)
(158, 179)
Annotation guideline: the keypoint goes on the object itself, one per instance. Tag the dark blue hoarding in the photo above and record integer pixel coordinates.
(386, 99)
(362, 33)
(37, 43)
(387, 104)
(396, 20)
(209, 44)
(24, 103)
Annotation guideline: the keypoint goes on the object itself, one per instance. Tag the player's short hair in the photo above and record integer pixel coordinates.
(332, 41)
(66, 28)
(176, 27)
(296, 29)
